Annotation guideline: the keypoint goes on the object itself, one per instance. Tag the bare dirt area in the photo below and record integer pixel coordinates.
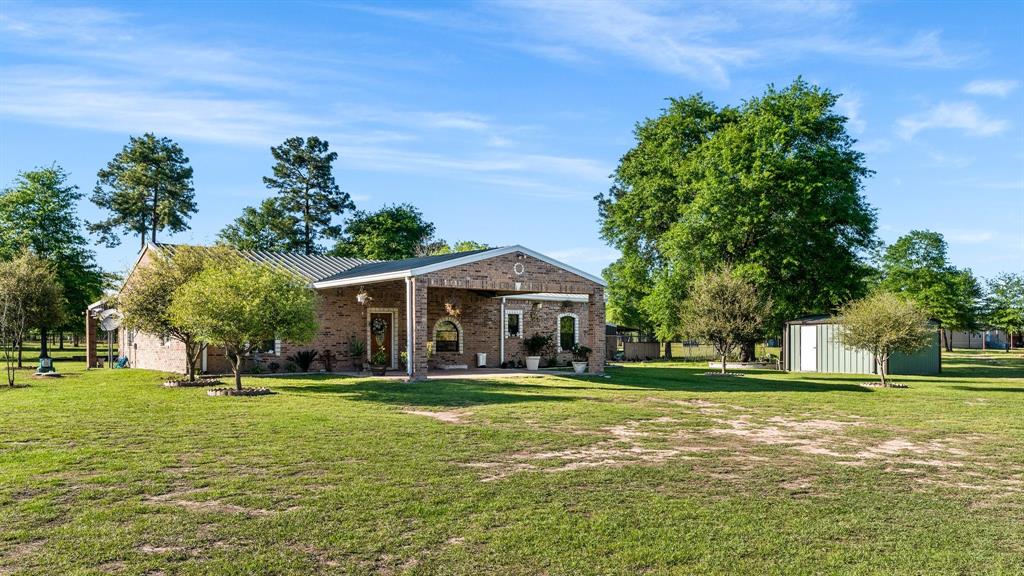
(739, 433)
(447, 416)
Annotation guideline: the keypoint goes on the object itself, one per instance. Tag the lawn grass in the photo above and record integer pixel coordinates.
(657, 469)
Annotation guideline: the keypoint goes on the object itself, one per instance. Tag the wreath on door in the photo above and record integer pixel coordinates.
(378, 327)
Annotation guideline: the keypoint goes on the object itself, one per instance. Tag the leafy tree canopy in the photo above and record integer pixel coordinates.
(1004, 304)
(391, 233)
(238, 304)
(723, 310)
(304, 181)
(916, 266)
(771, 187)
(38, 212)
(883, 323)
(30, 297)
(269, 227)
(146, 298)
(440, 247)
(146, 188)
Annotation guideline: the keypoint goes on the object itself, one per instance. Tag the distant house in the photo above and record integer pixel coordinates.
(811, 344)
(456, 305)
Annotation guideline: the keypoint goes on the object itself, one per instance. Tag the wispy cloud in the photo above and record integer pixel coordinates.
(704, 41)
(849, 105)
(100, 70)
(1000, 88)
(963, 116)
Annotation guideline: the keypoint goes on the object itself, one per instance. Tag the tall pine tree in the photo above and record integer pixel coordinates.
(304, 181)
(146, 187)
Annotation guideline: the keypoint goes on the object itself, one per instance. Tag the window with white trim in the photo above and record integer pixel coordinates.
(568, 331)
(514, 323)
(447, 336)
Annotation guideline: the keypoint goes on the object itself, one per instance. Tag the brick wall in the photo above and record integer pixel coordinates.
(343, 319)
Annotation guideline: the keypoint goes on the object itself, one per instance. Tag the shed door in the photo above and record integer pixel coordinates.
(808, 348)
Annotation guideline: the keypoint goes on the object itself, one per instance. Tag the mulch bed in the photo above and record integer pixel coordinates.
(236, 392)
(736, 374)
(199, 383)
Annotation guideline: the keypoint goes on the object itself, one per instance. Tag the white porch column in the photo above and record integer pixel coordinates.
(410, 353)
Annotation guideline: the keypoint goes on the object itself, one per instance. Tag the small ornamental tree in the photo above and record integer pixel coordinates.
(30, 297)
(238, 304)
(146, 299)
(725, 311)
(883, 323)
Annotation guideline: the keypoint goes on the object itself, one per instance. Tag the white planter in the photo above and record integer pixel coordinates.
(579, 367)
(532, 362)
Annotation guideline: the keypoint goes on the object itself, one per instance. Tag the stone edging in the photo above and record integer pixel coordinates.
(236, 392)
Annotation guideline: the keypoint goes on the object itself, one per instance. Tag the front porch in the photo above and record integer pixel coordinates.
(431, 317)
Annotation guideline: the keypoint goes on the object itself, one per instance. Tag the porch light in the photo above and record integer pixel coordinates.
(362, 297)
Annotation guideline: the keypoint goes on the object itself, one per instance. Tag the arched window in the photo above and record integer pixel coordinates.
(447, 336)
(568, 332)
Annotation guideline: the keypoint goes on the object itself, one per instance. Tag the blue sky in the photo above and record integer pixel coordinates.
(502, 120)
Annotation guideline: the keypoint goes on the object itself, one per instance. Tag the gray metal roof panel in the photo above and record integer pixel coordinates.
(390, 266)
(312, 267)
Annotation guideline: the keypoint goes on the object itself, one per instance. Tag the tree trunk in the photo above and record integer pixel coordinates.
(238, 372)
(21, 345)
(748, 352)
(61, 340)
(723, 363)
(881, 370)
(668, 350)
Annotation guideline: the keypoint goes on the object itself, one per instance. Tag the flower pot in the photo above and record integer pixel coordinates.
(378, 370)
(532, 362)
(579, 367)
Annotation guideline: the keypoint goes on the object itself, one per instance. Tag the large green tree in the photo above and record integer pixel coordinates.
(146, 188)
(38, 212)
(1004, 304)
(239, 304)
(772, 187)
(303, 178)
(269, 227)
(391, 233)
(917, 266)
(145, 299)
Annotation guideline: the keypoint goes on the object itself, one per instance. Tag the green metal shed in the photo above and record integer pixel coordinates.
(812, 345)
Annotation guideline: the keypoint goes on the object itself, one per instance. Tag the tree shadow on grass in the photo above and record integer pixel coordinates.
(453, 393)
(694, 380)
(988, 388)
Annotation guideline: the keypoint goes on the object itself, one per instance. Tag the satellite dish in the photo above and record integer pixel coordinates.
(110, 320)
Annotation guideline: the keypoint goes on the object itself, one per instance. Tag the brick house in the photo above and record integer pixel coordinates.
(482, 301)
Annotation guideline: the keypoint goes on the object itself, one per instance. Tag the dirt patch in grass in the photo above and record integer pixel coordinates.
(448, 416)
(179, 499)
(739, 432)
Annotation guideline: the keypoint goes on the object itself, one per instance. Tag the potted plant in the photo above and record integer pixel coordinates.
(357, 349)
(535, 346)
(580, 355)
(379, 362)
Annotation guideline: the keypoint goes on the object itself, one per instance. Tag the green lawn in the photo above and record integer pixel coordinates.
(656, 470)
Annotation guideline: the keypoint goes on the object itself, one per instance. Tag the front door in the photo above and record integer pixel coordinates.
(381, 325)
(808, 348)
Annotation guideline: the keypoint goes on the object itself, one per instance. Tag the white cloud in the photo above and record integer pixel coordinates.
(585, 256)
(963, 116)
(1000, 88)
(849, 105)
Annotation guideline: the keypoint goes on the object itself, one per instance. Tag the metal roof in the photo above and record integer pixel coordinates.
(386, 267)
(312, 267)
